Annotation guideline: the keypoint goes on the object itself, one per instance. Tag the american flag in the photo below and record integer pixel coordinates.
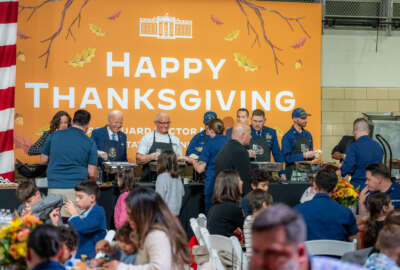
(8, 36)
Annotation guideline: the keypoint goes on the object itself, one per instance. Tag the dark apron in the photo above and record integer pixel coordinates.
(147, 174)
(301, 145)
(261, 148)
(114, 150)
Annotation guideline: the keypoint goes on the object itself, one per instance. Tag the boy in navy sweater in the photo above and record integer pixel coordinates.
(91, 224)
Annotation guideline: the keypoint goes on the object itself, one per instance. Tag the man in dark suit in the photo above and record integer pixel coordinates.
(234, 155)
(110, 140)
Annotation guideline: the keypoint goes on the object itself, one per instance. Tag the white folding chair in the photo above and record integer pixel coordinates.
(330, 247)
(214, 259)
(223, 243)
(239, 253)
(196, 224)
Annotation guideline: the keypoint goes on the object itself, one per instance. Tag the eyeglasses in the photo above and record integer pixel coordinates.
(164, 123)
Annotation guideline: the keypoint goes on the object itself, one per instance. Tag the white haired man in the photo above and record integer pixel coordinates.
(153, 143)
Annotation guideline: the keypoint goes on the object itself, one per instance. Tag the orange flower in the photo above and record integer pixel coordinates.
(23, 235)
(14, 252)
(14, 237)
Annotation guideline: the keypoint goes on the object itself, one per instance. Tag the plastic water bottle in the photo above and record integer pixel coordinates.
(2, 216)
(9, 216)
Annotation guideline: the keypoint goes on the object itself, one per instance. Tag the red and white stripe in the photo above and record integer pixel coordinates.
(8, 38)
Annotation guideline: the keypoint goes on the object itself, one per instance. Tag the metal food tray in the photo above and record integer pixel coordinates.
(307, 166)
(116, 166)
(269, 166)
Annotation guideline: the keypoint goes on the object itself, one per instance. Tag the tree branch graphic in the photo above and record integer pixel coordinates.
(52, 37)
(251, 29)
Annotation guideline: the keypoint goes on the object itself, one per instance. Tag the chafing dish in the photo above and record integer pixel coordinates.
(307, 166)
(269, 166)
(115, 166)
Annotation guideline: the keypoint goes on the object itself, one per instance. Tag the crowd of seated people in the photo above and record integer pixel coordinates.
(149, 234)
(151, 237)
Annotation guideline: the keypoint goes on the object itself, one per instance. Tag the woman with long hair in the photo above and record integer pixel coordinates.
(225, 216)
(61, 120)
(378, 205)
(206, 162)
(157, 233)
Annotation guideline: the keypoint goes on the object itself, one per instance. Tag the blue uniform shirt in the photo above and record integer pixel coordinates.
(197, 143)
(289, 141)
(228, 133)
(327, 219)
(70, 152)
(359, 155)
(208, 155)
(393, 192)
(270, 135)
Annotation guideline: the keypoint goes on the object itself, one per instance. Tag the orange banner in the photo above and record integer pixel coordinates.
(181, 57)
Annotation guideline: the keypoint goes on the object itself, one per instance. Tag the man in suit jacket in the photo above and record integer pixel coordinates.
(110, 140)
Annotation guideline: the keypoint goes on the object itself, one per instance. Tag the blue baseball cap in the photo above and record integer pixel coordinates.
(300, 113)
(208, 116)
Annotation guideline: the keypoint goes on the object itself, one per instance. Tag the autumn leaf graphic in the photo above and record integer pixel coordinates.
(233, 35)
(244, 62)
(21, 35)
(19, 120)
(42, 129)
(298, 64)
(96, 30)
(216, 20)
(82, 58)
(21, 56)
(279, 131)
(299, 43)
(114, 15)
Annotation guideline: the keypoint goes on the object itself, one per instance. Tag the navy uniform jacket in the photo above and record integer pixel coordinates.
(288, 143)
(228, 133)
(197, 143)
(270, 135)
(100, 136)
(91, 228)
(327, 219)
(209, 154)
(359, 155)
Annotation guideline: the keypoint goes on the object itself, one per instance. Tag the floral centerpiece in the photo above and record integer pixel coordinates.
(13, 241)
(346, 194)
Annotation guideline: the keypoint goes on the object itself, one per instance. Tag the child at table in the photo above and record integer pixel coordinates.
(43, 248)
(124, 251)
(378, 205)
(259, 179)
(91, 224)
(158, 235)
(168, 184)
(69, 244)
(34, 203)
(257, 199)
(126, 183)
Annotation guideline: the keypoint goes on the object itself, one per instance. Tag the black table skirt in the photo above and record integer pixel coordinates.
(193, 201)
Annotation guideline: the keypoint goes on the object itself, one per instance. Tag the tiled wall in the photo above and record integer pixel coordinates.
(340, 106)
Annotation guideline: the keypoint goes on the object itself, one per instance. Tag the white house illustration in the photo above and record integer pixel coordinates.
(165, 27)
